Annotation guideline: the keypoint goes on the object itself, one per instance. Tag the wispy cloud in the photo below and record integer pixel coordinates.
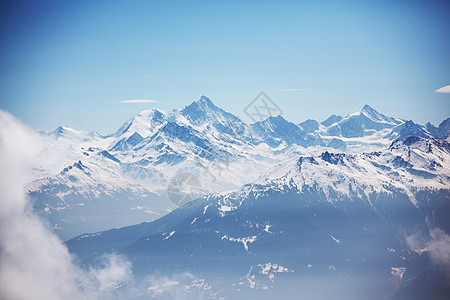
(293, 90)
(150, 76)
(139, 101)
(438, 245)
(444, 89)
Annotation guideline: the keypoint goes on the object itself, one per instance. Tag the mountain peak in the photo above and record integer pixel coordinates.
(331, 120)
(59, 130)
(143, 123)
(278, 118)
(310, 125)
(374, 115)
(203, 104)
(151, 112)
(205, 100)
(66, 130)
(368, 109)
(204, 109)
(272, 120)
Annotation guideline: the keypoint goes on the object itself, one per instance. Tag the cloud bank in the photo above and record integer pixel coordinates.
(34, 263)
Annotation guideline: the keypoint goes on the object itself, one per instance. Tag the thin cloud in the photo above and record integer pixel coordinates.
(444, 89)
(150, 76)
(138, 101)
(293, 90)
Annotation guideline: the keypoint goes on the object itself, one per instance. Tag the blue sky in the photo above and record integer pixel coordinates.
(71, 62)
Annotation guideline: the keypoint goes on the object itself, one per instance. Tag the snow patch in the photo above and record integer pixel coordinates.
(398, 272)
(245, 241)
(170, 234)
(338, 241)
(88, 235)
(266, 229)
(270, 269)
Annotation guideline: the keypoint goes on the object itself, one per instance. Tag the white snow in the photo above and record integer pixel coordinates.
(90, 235)
(398, 272)
(335, 239)
(270, 270)
(245, 241)
(206, 207)
(266, 229)
(170, 234)
(262, 276)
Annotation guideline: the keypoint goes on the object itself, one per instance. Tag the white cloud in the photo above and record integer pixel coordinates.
(293, 90)
(35, 264)
(138, 101)
(444, 89)
(438, 245)
(103, 282)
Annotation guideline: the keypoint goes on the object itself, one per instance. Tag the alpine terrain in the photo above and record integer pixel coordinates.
(86, 182)
(287, 209)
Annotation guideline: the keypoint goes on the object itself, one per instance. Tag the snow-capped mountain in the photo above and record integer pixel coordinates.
(81, 175)
(276, 131)
(409, 164)
(336, 220)
(409, 128)
(366, 122)
(330, 120)
(440, 132)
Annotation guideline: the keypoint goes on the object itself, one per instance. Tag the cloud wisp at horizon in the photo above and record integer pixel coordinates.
(293, 90)
(444, 90)
(139, 101)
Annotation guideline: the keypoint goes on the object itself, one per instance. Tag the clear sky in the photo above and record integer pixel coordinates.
(71, 62)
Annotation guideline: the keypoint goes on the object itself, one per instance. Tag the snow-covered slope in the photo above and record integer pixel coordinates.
(276, 131)
(408, 165)
(366, 122)
(440, 132)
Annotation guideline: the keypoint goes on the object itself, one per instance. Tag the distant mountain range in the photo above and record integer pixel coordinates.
(334, 226)
(86, 182)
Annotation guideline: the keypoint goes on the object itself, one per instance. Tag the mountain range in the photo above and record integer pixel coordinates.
(354, 207)
(86, 182)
